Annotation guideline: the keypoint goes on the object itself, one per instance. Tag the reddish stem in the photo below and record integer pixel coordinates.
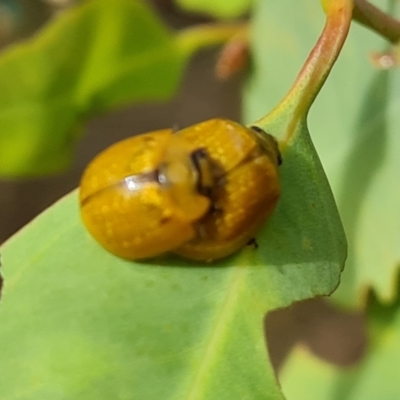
(316, 69)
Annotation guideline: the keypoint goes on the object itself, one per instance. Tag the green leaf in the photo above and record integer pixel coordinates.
(369, 194)
(217, 8)
(354, 125)
(1, 281)
(91, 59)
(80, 323)
(305, 377)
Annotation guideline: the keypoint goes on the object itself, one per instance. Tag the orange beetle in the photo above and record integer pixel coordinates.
(202, 192)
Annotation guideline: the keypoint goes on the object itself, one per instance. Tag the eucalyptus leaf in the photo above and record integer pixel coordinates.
(80, 323)
(354, 125)
(92, 58)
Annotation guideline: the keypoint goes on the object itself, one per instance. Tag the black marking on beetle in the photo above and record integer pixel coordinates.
(216, 211)
(200, 153)
(258, 129)
(197, 156)
(262, 132)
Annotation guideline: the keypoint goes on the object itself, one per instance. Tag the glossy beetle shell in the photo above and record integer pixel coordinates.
(202, 192)
(246, 194)
(127, 210)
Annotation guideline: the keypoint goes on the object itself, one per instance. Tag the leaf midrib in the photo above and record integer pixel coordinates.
(197, 386)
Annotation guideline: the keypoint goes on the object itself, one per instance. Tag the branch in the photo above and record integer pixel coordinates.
(372, 17)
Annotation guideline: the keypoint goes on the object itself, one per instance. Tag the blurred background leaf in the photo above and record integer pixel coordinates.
(217, 8)
(90, 59)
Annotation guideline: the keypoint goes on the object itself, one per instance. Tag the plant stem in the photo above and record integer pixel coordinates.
(372, 17)
(312, 76)
(196, 38)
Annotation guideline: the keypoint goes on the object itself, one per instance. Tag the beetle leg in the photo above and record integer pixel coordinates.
(253, 242)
